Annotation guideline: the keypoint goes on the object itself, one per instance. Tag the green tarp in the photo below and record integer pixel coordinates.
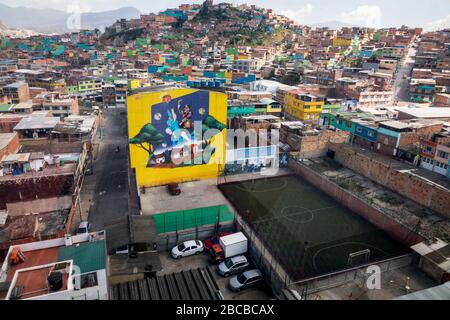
(88, 256)
(189, 219)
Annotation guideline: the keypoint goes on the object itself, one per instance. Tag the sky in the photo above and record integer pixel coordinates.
(430, 14)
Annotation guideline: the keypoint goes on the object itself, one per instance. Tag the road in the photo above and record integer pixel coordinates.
(105, 194)
(401, 85)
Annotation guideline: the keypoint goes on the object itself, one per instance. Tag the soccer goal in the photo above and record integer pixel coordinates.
(358, 258)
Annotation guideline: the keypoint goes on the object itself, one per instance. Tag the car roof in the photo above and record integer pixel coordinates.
(238, 259)
(83, 224)
(190, 243)
(252, 273)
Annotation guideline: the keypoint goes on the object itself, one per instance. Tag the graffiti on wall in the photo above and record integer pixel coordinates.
(174, 129)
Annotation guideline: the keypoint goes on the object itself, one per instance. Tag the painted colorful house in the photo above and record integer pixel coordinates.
(302, 106)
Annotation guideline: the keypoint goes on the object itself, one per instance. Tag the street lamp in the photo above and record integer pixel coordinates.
(305, 249)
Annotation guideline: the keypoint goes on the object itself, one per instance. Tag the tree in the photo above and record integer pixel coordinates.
(149, 136)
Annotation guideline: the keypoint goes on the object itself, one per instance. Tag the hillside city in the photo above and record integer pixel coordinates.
(218, 151)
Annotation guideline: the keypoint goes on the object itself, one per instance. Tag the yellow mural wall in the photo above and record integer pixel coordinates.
(342, 42)
(141, 112)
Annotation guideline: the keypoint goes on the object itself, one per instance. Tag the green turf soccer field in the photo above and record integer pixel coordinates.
(309, 232)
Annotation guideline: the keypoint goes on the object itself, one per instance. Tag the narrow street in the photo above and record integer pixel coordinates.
(105, 193)
(401, 84)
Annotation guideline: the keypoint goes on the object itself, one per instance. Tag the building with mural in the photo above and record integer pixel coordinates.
(176, 135)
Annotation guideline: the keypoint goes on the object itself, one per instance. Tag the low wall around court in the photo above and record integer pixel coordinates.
(379, 170)
(336, 279)
(393, 228)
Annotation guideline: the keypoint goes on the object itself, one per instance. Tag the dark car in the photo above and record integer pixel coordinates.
(174, 189)
(245, 280)
(215, 239)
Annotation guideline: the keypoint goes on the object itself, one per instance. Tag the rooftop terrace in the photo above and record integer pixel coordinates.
(29, 278)
(403, 210)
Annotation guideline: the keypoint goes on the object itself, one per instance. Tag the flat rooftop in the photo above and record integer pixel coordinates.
(429, 112)
(31, 225)
(67, 169)
(195, 194)
(5, 139)
(30, 276)
(394, 205)
(41, 122)
(430, 177)
(393, 285)
(441, 292)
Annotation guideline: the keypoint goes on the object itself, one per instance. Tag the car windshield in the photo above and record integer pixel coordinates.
(82, 230)
(228, 263)
(181, 247)
(241, 278)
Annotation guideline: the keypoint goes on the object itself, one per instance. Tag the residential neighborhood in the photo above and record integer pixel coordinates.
(217, 151)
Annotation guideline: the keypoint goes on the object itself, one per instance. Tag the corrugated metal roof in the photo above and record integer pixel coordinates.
(5, 139)
(16, 157)
(37, 123)
(196, 284)
(441, 292)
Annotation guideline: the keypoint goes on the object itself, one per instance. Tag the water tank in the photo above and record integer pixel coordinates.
(55, 281)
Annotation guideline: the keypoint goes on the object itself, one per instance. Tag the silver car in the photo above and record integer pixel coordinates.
(245, 280)
(232, 265)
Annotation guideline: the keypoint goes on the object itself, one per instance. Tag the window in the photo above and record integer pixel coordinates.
(428, 150)
(359, 130)
(371, 134)
(441, 165)
(89, 280)
(442, 154)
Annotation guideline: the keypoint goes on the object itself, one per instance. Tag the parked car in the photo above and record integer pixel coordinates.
(233, 265)
(122, 250)
(83, 227)
(245, 280)
(174, 189)
(89, 171)
(215, 239)
(187, 248)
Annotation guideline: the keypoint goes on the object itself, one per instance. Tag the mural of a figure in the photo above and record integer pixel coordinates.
(186, 113)
(177, 135)
(172, 127)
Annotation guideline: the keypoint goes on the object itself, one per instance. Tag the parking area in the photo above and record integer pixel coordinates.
(170, 265)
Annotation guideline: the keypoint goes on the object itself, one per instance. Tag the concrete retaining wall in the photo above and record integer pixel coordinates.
(404, 183)
(396, 230)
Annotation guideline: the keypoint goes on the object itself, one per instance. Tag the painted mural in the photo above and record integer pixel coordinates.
(167, 132)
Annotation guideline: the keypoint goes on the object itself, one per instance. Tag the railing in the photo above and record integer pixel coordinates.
(338, 278)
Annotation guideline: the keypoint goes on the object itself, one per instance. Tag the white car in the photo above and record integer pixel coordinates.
(83, 227)
(187, 248)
